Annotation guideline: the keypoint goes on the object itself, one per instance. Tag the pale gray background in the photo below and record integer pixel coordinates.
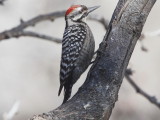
(29, 67)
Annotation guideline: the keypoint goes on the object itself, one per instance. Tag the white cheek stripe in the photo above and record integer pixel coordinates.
(78, 9)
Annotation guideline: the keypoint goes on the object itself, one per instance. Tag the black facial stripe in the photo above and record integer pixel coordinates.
(83, 16)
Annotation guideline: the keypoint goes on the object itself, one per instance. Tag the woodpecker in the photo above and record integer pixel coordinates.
(77, 47)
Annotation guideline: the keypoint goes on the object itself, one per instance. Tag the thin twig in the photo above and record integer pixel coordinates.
(37, 35)
(152, 99)
(141, 39)
(40, 18)
(18, 30)
(17, 34)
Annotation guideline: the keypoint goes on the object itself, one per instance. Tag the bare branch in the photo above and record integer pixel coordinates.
(37, 35)
(17, 34)
(19, 30)
(152, 99)
(40, 18)
(141, 39)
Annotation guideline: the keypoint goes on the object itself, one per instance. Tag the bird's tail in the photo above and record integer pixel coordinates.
(67, 92)
(60, 89)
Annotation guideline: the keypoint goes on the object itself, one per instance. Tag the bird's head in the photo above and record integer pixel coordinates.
(78, 13)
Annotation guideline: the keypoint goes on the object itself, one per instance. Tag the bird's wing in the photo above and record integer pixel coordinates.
(72, 44)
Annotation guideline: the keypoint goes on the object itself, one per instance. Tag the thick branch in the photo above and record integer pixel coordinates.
(33, 34)
(97, 96)
(152, 99)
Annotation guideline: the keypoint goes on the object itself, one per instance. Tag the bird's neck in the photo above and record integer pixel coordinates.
(70, 22)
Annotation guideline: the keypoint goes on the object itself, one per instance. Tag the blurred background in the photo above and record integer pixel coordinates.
(29, 67)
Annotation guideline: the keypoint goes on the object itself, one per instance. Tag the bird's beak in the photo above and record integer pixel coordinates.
(90, 9)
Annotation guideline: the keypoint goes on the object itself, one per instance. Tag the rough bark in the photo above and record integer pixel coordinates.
(97, 96)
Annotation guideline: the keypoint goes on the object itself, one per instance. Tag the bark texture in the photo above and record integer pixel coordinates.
(97, 96)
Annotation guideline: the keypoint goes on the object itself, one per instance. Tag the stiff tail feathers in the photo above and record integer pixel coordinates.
(60, 89)
(67, 92)
(67, 88)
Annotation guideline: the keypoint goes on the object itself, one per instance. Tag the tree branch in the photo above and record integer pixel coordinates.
(152, 99)
(37, 35)
(97, 96)
(19, 30)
